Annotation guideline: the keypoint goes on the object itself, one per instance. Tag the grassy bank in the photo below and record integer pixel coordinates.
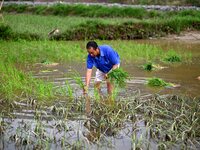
(93, 11)
(34, 27)
(80, 22)
(42, 25)
(130, 30)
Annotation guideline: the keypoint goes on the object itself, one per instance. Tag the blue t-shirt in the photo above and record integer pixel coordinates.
(108, 57)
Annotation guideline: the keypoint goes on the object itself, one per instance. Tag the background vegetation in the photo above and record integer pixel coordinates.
(143, 2)
(79, 22)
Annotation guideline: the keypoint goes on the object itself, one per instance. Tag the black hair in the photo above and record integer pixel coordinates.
(92, 44)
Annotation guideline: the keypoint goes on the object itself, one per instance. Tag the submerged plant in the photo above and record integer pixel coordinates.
(118, 76)
(157, 82)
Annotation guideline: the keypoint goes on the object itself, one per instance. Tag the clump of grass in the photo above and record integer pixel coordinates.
(157, 82)
(16, 83)
(118, 76)
(5, 31)
(46, 62)
(172, 56)
(148, 66)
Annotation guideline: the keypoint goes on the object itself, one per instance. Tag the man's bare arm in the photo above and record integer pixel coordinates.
(115, 66)
(88, 77)
(87, 80)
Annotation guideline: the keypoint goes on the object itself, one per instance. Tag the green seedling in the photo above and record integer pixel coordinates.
(172, 56)
(157, 82)
(46, 62)
(148, 66)
(118, 76)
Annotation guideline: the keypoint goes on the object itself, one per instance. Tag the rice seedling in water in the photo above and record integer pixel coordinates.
(148, 66)
(157, 82)
(172, 56)
(46, 62)
(69, 90)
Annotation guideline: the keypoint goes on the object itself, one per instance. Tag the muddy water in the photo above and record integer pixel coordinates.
(184, 74)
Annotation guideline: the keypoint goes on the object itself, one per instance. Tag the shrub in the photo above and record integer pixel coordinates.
(5, 32)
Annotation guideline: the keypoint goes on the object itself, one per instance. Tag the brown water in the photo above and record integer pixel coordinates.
(23, 120)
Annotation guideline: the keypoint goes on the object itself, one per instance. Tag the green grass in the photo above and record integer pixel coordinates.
(16, 84)
(148, 66)
(60, 51)
(27, 26)
(172, 56)
(93, 11)
(42, 25)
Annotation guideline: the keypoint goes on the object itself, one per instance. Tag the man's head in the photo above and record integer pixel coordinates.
(92, 48)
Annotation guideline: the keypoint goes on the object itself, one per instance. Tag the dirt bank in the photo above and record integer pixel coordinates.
(190, 36)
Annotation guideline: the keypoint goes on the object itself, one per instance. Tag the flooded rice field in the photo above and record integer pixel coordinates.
(142, 117)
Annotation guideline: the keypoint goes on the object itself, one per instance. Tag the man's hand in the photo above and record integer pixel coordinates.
(85, 90)
(106, 76)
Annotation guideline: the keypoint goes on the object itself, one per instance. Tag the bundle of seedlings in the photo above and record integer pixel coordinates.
(148, 66)
(118, 77)
(157, 82)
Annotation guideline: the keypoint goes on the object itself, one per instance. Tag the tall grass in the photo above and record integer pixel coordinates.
(42, 25)
(37, 51)
(27, 26)
(25, 52)
(16, 84)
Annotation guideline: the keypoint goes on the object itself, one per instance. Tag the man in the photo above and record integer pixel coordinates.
(105, 59)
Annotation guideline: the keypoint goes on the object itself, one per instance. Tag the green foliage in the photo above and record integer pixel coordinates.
(5, 32)
(193, 2)
(15, 82)
(118, 77)
(172, 56)
(94, 11)
(148, 66)
(78, 10)
(34, 27)
(157, 82)
(54, 51)
(46, 62)
(76, 76)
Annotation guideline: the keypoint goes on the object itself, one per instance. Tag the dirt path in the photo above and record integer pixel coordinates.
(188, 36)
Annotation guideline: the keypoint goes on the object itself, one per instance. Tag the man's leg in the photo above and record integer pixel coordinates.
(110, 87)
(98, 79)
(97, 86)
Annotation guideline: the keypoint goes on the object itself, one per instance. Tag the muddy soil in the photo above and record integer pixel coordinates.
(186, 36)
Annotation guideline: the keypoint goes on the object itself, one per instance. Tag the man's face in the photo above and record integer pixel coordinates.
(92, 52)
